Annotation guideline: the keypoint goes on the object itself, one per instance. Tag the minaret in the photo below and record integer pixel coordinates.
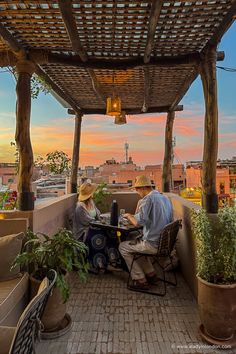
(126, 152)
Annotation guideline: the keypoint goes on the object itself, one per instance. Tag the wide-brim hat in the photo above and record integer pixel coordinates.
(86, 191)
(142, 181)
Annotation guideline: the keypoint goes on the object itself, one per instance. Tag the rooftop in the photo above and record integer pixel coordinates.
(147, 52)
(108, 318)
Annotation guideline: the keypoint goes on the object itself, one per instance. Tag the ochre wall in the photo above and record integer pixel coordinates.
(186, 245)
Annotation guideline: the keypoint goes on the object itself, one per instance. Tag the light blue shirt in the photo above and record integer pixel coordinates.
(154, 213)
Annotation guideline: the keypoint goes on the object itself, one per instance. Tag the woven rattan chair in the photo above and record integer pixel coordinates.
(166, 245)
(21, 339)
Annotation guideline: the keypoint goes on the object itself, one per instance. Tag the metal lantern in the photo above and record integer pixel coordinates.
(120, 119)
(113, 106)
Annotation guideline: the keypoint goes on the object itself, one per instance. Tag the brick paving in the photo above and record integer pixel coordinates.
(109, 319)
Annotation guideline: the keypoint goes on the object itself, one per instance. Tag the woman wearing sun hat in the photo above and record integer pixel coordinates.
(85, 211)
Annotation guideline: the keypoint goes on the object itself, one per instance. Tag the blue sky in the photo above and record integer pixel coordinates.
(52, 128)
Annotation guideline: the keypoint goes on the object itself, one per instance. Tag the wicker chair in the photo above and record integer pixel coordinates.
(21, 339)
(166, 245)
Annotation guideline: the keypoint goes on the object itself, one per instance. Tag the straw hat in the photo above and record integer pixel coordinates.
(86, 190)
(142, 181)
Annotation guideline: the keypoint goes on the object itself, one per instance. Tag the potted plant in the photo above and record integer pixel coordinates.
(215, 236)
(62, 253)
(100, 197)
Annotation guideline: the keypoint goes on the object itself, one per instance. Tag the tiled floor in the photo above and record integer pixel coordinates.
(108, 318)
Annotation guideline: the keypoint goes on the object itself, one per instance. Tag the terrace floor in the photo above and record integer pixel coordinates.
(108, 318)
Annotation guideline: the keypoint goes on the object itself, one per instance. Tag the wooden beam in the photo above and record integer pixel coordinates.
(96, 85)
(9, 39)
(146, 90)
(25, 70)
(75, 156)
(137, 110)
(167, 164)
(154, 16)
(62, 93)
(209, 83)
(66, 10)
(7, 58)
(16, 47)
(46, 57)
(71, 28)
(187, 83)
(223, 27)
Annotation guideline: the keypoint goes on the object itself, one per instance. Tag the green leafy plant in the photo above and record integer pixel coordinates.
(216, 245)
(38, 84)
(58, 162)
(60, 252)
(100, 197)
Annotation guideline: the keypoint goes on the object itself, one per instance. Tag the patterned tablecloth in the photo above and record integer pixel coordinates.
(103, 243)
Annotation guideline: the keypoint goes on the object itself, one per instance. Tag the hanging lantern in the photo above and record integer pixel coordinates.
(113, 106)
(120, 119)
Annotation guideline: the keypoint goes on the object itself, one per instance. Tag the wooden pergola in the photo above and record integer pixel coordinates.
(149, 52)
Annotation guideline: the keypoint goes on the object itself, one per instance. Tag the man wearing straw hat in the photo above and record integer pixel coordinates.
(154, 213)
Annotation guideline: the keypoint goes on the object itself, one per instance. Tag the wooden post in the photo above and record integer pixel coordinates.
(76, 148)
(209, 82)
(25, 69)
(167, 168)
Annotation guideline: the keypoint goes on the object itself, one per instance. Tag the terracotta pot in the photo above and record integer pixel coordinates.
(217, 309)
(55, 309)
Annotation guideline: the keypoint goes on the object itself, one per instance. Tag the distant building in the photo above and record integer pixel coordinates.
(111, 167)
(154, 172)
(8, 173)
(89, 171)
(225, 179)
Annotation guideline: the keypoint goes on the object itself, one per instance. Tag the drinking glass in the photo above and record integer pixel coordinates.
(121, 218)
(122, 212)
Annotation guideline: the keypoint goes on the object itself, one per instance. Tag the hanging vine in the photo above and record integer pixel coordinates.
(38, 84)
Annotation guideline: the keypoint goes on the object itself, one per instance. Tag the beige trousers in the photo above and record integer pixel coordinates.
(142, 265)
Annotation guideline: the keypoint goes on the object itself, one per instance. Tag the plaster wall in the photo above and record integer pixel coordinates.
(13, 226)
(48, 215)
(186, 245)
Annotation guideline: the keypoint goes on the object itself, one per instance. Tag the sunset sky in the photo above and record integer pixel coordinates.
(52, 128)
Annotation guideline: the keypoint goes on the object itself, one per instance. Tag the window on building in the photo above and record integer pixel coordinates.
(222, 188)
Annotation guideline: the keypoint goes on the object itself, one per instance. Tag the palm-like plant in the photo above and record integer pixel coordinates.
(60, 252)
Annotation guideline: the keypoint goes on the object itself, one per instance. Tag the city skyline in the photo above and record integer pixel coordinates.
(52, 128)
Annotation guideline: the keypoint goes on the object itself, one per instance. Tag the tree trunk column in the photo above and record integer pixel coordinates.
(166, 171)
(76, 148)
(209, 82)
(25, 70)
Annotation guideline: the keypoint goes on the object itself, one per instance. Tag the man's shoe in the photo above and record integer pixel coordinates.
(153, 280)
(137, 285)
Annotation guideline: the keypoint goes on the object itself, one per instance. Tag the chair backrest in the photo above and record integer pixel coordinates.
(27, 326)
(168, 238)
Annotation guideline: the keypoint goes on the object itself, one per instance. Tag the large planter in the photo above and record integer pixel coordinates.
(55, 319)
(217, 309)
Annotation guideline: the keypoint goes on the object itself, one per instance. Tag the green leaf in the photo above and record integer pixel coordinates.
(60, 252)
(216, 245)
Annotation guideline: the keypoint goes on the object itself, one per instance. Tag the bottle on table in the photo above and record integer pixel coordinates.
(114, 213)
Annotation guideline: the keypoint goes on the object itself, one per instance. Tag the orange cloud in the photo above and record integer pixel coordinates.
(186, 130)
(102, 140)
(143, 118)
